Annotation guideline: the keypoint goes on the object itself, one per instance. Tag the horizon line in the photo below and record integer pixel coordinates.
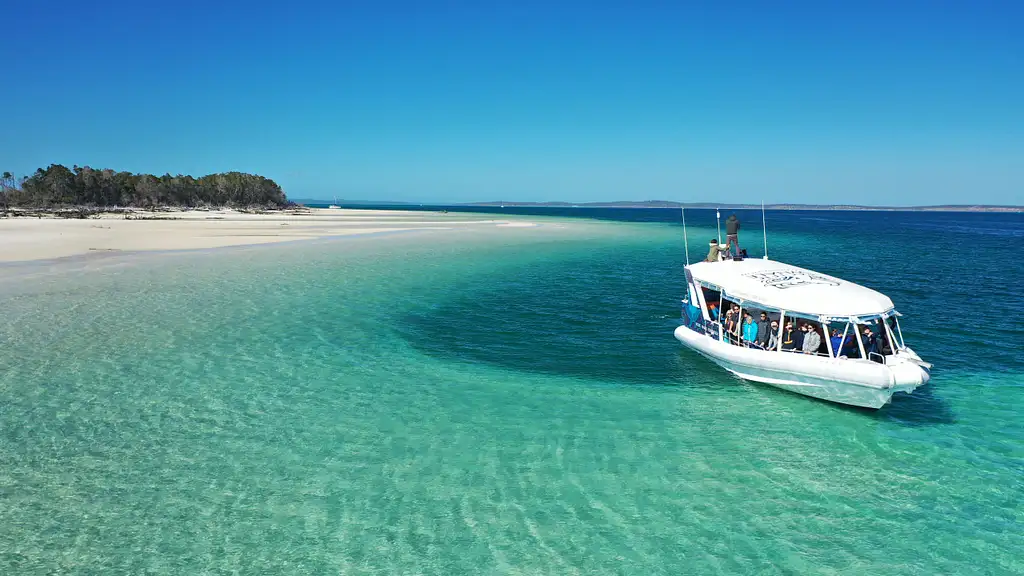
(670, 204)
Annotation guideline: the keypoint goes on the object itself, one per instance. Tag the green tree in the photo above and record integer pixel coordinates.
(84, 186)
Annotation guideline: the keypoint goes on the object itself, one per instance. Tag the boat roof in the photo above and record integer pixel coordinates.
(791, 288)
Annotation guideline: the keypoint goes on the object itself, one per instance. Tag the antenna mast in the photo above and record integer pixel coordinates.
(718, 217)
(686, 246)
(764, 226)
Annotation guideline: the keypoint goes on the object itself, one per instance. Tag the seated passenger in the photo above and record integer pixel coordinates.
(714, 254)
(713, 311)
(837, 342)
(764, 331)
(885, 347)
(812, 340)
(749, 331)
(789, 337)
(850, 349)
(872, 345)
(773, 338)
(870, 342)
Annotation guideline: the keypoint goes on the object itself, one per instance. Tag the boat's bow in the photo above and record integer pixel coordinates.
(908, 371)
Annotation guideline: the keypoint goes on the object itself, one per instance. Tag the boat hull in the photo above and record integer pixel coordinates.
(845, 381)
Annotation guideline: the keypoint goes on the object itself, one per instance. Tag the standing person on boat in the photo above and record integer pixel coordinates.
(732, 230)
(764, 330)
(749, 331)
(729, 323)
(812, 340)
(773, 339)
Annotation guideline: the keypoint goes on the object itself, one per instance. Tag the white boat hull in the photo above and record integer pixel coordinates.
(846, 381)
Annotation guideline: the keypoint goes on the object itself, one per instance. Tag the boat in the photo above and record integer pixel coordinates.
(862, 360)
(335, 205)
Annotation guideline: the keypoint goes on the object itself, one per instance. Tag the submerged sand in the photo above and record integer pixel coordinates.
(29, 238)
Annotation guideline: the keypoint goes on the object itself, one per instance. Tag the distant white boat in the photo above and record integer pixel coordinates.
(335, 205)
(865, 370)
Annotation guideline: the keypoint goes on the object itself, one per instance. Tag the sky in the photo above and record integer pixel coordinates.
(857, 102)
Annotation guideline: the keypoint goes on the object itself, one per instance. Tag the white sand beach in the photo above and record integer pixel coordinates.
(25, 238)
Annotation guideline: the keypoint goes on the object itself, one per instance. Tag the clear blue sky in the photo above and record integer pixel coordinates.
(894, 102)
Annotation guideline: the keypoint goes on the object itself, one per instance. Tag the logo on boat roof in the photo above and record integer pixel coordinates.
(783, 279)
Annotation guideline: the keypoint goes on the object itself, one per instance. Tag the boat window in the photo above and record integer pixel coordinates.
(713, 300)
(789, 340)
(730, 319)
(875, 340)
(815, 327)
(843, 339)
(894, 329)
(718, 314)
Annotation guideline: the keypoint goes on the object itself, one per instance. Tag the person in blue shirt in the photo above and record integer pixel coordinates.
(837, 342)
(749, 330)
(850, 349)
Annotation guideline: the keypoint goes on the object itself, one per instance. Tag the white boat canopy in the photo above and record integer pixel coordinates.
(790, 288)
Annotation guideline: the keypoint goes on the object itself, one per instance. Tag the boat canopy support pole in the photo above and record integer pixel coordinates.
(902, 343)
(739, 324)
(721, 312)
(778, 337)
(843, 339)
(860, 343)
(823, 322)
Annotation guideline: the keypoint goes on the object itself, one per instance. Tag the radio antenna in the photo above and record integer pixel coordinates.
(686, 246)
(718, 217)
(764, 227)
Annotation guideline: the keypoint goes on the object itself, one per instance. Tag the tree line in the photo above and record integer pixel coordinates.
(58, 186)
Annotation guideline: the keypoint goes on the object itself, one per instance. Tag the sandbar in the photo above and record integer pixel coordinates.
(25, 238)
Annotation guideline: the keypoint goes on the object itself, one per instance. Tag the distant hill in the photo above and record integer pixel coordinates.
(708, 205)
(673, 204)
(355, 202)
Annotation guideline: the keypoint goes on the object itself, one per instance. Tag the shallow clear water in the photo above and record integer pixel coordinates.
(499, 402)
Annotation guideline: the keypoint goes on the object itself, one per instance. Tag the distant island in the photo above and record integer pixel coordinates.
(58, 187)
(711, 206)
(672, 204)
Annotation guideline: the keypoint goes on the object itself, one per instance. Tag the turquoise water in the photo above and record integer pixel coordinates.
(498, 402)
